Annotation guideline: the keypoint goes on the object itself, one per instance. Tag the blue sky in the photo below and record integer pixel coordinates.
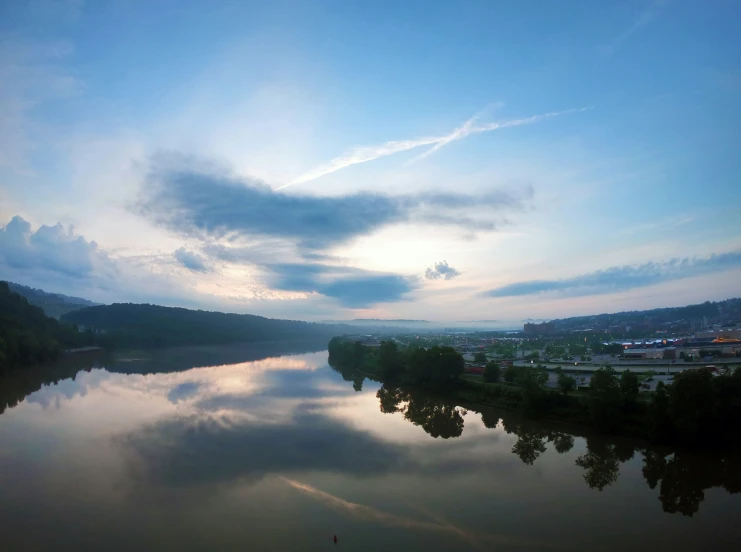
(434, 160)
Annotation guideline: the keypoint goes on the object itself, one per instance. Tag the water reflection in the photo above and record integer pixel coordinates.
(437, 418)
(279, 446)
(682, 476)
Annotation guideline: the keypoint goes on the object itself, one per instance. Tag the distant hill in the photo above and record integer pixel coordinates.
(395, 320)
(134, 325)
(726, 312)
(53, 304)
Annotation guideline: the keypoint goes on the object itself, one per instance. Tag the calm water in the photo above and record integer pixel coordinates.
(244, 449)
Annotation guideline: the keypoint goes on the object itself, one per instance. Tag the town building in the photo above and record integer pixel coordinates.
(546, 328)
(643, 354)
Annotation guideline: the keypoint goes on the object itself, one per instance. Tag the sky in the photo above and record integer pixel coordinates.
(443, 161)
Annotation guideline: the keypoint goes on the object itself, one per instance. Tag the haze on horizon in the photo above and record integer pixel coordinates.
(434, 161)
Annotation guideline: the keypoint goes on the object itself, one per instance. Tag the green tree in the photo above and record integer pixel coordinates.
(629, 385)
(659, 425)
(27, 335)
(534, 397)
(389, 360)
(605, 400)
(691, 404)
(438, 367)
(479, 357)
(492, 372)
(510, 373)
(566, 383)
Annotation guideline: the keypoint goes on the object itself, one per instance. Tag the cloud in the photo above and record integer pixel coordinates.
(441, 270)
(371, 153)
(352, 287)
(183, 391)
(643, 18)
(56, 258)
(200, 200)
(623, 278)
(190, 260)
(52, 250)
(228, 450)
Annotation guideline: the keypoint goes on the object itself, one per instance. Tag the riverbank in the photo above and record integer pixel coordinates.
(693, 409)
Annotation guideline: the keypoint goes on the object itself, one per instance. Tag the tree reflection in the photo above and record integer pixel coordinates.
(563, 442)
(681, 477)
(438, 418)
(16, 385)
(529, 446)
(389, 397)
(684, 476)
(490, 418)
(600, 463)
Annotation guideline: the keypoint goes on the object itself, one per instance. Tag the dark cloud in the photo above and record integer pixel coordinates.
(190, 260)
(441, 270)
(622, 278)
(183, 391)
(352, 287)
(203, 200)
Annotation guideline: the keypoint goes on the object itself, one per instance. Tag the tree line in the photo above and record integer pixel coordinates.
(438, 368)
(696, 408)
(28, 336)
(127, 325)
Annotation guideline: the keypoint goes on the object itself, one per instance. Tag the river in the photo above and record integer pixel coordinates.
(268, 448)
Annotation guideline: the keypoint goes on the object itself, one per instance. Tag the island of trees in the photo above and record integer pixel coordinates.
(697, 408)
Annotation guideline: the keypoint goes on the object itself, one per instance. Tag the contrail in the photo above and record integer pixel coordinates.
(371, 153)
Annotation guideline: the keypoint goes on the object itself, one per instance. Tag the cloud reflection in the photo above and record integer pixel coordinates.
(188, 451)
(366, 513)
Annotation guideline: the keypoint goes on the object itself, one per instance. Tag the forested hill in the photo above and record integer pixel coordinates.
(27, 335)
(53, 304)
(723, 312)
(133, 325)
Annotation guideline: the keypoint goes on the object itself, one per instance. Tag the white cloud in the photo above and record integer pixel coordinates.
(441, 270)
(53, 254)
